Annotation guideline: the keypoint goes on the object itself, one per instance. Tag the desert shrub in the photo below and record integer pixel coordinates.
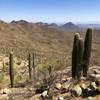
(18, 78)
(1, 77)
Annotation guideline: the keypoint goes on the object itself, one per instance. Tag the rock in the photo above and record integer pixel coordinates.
(44, 94)
(35, 97)
(97, 77)
(66, 85)
(83, 79)
(92, 77)
(88, 92)
(90, 98)
(93, 86)
(77, 91)
(58, 86)
(63, 90)
(98, 90)
(5, 91)
(83, 86)
(69, 78)
(4, 97)
(98, 83)
(60, 98)
(98, 80)
(64, 80)
(96, 71)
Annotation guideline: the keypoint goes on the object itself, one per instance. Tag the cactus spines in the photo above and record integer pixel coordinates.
(11, 68)
(74, 54)
(87, 51)
(29, 66)
(79, 58)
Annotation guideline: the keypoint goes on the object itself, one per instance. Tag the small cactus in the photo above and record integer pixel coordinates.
(33, 61)
(50, 69)
(87, 51)
(11, 69)
(29, 66)
(74, 55)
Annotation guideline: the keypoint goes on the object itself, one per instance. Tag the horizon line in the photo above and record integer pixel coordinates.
(50, 22)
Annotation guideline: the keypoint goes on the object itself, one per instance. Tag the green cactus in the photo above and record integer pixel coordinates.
(79, 58)
(49, 69)
(74, 55)
(29, 66)
(33, 61)
(11, 69)
(87, 51)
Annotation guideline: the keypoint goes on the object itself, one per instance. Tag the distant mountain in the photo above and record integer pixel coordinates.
(20, 21)
(69, 26)
(41, 24)
(22, 36)
(85, 26)
(54, 25)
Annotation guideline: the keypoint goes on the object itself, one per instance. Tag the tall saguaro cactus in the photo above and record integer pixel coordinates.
(79, 58)
(11, 69)
(87, 51)
(29, 66)
(74, 55)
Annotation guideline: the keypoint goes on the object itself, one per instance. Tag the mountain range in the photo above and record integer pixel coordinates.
(23, 37)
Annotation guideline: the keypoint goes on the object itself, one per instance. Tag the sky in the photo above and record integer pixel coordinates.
(59, 11)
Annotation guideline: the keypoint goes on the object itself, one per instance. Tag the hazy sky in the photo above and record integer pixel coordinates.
(50, 10)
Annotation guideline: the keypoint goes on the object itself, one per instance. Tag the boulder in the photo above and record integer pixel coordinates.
(44, 94)
(58, 86)
(90, 98)
(93, 86)
(5, 91)
(89, 92)
(92, 77)
(60, 98)
(66, 85)
(97, 77)
(76, 91)
(96, 71)
(98, 90)
(83, 86)
(4, 97)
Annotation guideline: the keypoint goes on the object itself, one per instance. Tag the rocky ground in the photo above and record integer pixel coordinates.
(47, 85)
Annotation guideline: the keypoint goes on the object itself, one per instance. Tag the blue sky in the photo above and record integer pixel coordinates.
(51, 10)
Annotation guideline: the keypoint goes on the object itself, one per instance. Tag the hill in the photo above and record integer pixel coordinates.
(70, 26)
(24, 37)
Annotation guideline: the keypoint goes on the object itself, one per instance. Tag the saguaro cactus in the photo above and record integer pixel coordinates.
(87, 51)
(33, 60)
(29, 66)
(74, 54)
(11, 68)
(79, 58)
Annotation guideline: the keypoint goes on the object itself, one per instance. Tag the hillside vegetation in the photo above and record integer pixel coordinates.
(24, 37)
